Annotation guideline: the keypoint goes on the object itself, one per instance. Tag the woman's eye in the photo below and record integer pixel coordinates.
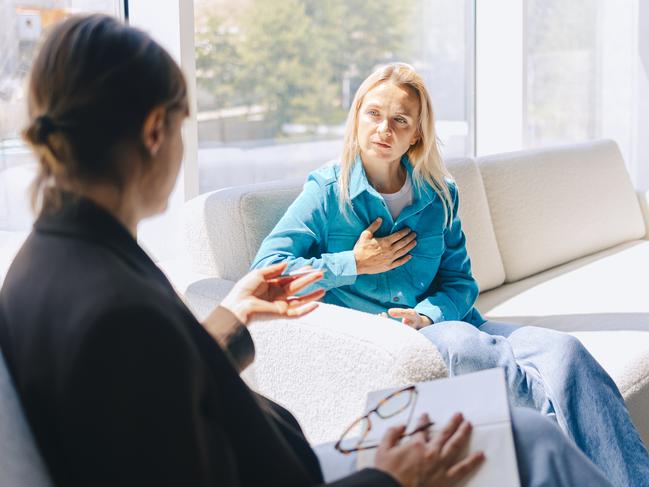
(372, 113)
(402, 121)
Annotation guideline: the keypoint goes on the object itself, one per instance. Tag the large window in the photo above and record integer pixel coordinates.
(581, 71)
(23, 25)
(275, 78)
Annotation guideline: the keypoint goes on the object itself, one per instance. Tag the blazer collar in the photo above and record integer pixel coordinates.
(81, 218)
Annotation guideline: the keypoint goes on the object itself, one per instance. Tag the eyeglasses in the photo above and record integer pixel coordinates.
(354, 437)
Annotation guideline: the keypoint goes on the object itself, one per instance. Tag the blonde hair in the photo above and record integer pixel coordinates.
(423, 155)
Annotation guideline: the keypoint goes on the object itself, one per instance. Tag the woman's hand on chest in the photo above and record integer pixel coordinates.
(380, 254)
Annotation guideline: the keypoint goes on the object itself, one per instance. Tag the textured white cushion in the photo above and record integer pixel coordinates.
(550, 206)
(21, 464)
(322, 366)
(481, 242)
(602, 299)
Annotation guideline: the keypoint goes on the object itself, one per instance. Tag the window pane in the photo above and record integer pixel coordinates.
(276, 78)
(580, 58)
(23, 25)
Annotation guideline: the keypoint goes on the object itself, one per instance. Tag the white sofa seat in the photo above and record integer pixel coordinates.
(602, 299)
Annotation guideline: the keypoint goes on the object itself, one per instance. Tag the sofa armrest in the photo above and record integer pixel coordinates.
(321, 366)
(203, 295)
(643, 198)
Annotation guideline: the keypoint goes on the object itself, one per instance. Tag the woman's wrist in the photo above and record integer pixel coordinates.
(238, 308)
(425, 320)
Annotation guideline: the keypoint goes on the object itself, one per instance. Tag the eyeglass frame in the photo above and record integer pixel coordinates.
(360, 447)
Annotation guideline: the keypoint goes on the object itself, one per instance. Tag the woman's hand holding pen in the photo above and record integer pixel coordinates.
(429, 460)
(267, 291)
(380, 254)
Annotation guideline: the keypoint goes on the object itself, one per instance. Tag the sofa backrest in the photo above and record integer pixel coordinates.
(20, 461)
(225, 228)
(551, 206)
(481, 244)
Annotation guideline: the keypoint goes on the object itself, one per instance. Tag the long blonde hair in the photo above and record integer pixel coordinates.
(423, 155)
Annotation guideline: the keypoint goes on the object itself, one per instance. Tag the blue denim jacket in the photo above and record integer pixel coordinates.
(436, 282)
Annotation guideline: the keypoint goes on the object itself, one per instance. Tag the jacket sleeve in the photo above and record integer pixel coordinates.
(454, 291)
(369, 477)
(133, 407)
(233, 337)
(298, 238)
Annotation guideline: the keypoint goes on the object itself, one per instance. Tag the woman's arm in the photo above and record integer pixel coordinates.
(299, 235)
(232, 335)
(454, 290)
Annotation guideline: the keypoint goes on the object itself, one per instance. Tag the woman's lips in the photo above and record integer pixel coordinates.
(382, 145)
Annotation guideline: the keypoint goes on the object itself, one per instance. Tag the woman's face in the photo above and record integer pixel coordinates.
(387, 123)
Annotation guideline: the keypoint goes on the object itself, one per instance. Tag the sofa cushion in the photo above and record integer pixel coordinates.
(481, 244)
(550, 206)
(602, 300)
(20, 461)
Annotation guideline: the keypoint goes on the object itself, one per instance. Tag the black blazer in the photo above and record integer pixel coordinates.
(121, 385)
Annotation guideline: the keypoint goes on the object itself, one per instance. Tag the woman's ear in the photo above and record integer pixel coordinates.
(153, 130)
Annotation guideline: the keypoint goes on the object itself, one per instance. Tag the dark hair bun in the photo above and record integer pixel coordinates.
(42, 128)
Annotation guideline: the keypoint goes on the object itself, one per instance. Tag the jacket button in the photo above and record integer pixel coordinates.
(395, 299)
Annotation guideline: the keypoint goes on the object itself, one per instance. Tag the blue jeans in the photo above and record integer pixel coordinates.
(553, 373)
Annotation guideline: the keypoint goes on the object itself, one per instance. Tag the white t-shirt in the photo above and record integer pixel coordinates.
(398, 201)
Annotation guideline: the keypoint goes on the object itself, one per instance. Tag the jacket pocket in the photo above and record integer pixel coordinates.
(429, 246)
(426, 256)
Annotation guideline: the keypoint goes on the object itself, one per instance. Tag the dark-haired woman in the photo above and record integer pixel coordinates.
(120, 384)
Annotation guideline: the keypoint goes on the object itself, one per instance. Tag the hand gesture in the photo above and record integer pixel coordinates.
(264, 291)
(428, 461)
(410, 317)
(375, 255)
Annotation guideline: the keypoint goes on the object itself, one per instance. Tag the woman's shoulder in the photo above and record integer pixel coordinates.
(326, 175)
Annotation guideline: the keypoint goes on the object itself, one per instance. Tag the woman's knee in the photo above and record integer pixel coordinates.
(463, 346)
(568, 348)
(565, 348)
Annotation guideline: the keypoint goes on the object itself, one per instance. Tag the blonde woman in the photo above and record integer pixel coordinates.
(383, 225)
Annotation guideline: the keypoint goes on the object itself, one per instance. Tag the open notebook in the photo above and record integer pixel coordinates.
(481, 397)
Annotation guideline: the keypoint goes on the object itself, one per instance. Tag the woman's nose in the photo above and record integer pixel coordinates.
(384, 127)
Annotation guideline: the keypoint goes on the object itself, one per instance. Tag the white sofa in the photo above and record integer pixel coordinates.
(557, 238)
